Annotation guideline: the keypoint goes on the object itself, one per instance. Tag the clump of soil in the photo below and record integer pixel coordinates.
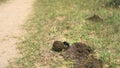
(95, 18)
(89, 62)
(81, 55)
(77, 51)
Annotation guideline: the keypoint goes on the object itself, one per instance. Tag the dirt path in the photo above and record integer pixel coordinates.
(13, 14)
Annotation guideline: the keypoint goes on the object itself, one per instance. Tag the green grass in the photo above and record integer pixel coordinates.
(66, 20)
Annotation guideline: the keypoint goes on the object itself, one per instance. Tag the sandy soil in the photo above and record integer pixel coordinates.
(13, 14)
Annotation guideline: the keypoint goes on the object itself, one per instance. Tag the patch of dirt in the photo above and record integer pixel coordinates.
(13, 15)
(95, 18)
(81, 55)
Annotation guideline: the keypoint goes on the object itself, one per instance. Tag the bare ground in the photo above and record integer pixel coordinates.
(13, 15)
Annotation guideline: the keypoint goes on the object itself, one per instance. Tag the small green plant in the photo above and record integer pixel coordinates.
(113, 3)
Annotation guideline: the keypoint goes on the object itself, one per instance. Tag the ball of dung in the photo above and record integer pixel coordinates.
(60, 46)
